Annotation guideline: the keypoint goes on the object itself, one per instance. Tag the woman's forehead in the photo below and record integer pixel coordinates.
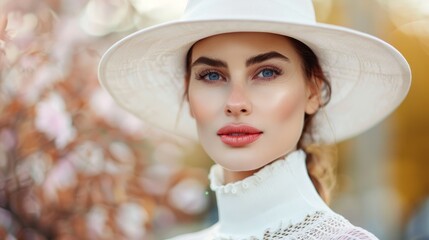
(251, 42)
(241, 47)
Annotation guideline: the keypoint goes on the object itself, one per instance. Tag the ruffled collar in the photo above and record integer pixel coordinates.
(280, 194)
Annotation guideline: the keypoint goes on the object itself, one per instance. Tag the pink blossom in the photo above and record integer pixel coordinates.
(104, 106)
(61, 176)
(96, 220)
(131, 218)
(67, 36)
(5, 218)
(32, 205)
(7, 139)
(188, 196)
(21, 28)
(121, 152)
(43, 77)
(29, 62)
(156, 178)
(38, 164)
(53, 120)
(89, 158)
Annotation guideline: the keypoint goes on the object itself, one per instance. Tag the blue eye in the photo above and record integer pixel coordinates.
(212, 76)
(266, 73)
(269, 73)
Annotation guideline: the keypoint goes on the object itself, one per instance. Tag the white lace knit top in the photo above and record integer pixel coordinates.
(277, 202)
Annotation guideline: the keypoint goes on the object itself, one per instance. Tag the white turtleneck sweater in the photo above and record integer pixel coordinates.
(277, 202)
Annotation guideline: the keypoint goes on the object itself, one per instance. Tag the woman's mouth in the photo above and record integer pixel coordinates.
(238, 135)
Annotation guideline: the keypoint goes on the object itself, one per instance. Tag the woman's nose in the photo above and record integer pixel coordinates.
(238, 102)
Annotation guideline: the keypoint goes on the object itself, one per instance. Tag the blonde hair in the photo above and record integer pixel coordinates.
(321, 160)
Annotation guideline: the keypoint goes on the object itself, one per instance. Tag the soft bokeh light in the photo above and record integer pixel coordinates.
(324, 9)
(410, 16)
(102, 17)
(53, 119)
(189, 196)
(74, 165)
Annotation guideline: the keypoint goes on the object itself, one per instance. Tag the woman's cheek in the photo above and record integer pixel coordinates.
(285, 109)
(203, 102)
(291, 105)
(283, 100)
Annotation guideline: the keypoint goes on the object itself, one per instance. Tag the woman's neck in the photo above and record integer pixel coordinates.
(234, 176)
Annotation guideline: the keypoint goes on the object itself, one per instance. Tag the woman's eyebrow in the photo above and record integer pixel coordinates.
(253, 60)
(210, 61)
(264, 57)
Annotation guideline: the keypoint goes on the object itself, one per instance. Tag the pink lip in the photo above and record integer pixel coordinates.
(238, 135)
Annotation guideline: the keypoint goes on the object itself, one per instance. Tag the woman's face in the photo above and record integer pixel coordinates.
(248, 95)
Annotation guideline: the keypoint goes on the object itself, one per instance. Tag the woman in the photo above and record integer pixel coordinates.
(262, 82)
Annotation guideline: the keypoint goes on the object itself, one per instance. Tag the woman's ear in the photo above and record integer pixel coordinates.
(313, 96)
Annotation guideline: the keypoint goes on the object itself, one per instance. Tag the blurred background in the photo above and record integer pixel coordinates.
(75, 166)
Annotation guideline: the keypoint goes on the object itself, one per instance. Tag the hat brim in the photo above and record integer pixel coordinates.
(144, 72)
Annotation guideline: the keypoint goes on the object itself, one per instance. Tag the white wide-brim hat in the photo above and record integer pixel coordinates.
(144, 72)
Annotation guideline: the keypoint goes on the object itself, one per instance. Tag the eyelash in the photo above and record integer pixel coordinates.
(202, 75)
(277, 72)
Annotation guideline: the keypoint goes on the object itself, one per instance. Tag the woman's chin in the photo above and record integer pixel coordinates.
(242, 164)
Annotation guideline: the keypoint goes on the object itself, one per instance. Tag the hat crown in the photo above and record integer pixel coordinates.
(299, 11)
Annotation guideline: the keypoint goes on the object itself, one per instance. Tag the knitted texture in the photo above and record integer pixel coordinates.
(317, 226)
